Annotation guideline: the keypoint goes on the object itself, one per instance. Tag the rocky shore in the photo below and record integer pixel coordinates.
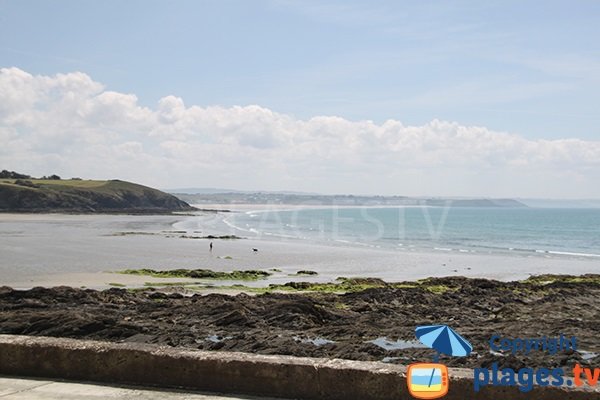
(373, 324)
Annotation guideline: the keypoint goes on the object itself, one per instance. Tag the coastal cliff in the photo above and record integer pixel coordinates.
(85, 196)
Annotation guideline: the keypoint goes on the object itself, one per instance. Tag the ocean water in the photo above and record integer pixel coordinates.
(535, 231)
(57, 249)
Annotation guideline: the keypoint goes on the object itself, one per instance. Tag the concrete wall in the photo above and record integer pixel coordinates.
(234, 373)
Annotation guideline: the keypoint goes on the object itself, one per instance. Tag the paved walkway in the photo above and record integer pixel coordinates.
(41, 389)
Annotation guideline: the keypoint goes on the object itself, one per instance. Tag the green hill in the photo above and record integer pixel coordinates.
(87, 196)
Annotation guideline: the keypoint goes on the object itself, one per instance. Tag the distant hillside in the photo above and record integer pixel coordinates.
(87, 196)
(339, 200)
(554, 203)
(217, 191)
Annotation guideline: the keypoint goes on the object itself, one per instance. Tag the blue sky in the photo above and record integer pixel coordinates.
(509, 89)
(531, 68)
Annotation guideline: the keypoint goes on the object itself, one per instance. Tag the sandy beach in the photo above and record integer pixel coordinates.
(60, 278)
(85, 250)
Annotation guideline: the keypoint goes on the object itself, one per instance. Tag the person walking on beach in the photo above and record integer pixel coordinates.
(210, 247)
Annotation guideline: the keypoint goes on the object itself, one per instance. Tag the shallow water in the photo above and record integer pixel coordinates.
(386, 344)
(318, 341)
(46, 249)
(530, 231)
(217, 338)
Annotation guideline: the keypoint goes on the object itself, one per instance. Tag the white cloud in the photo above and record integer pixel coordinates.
(70, 125)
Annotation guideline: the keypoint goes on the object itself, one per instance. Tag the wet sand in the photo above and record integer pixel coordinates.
(56, 251)
(79, 250)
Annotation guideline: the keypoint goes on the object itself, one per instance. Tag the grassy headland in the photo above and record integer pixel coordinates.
(84, 196)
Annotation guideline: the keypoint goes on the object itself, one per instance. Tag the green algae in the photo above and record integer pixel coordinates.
(246, 275)
(546, 279)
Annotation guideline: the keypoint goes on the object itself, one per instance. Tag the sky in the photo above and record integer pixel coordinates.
(440, 98)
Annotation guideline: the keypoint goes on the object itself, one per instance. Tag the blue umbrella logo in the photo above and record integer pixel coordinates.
(444, 340)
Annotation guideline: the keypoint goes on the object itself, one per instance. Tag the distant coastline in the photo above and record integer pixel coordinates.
(309, 199)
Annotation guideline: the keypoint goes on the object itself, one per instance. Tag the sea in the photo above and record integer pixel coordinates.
(543, 231)
(393, 243)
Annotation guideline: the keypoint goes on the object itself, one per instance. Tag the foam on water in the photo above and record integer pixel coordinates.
(541, 232)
